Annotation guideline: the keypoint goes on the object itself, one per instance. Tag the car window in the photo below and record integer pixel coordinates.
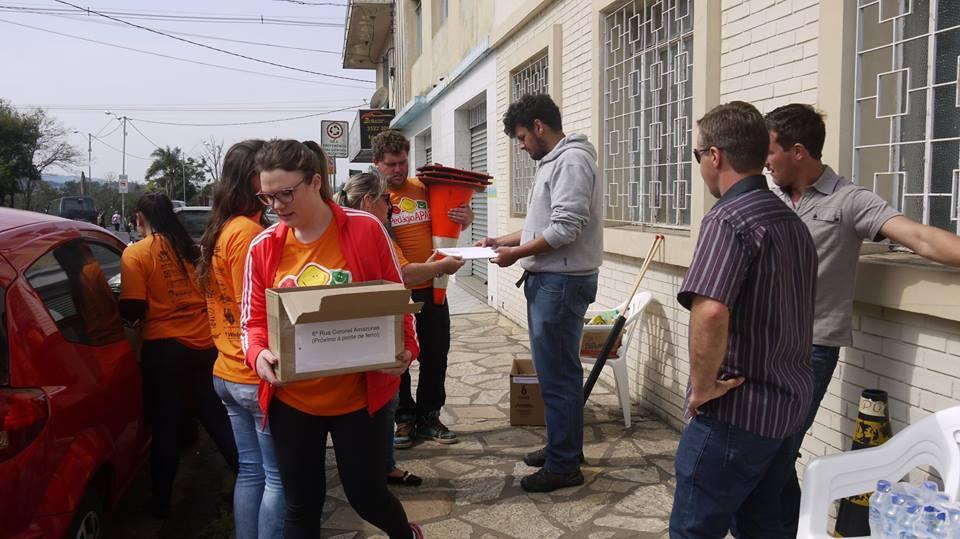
(71, 281)
(194, 221)
(4, 348)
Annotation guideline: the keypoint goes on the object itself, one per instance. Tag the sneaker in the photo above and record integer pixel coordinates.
(416, 531)
(539, 457)
(544, 481)
(431, 428)
(406, 430)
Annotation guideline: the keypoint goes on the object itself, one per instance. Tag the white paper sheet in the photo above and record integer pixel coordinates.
(469, 253)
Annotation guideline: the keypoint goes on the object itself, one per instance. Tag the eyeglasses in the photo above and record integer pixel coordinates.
(285, 196)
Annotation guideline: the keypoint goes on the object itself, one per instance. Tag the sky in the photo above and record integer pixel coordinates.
(76, 80)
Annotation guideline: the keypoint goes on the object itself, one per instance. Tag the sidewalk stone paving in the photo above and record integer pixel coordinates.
(472, 489)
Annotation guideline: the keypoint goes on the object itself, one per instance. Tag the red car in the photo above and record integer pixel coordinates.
(72, 431)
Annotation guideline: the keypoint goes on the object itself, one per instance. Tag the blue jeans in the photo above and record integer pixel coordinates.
(824, 362)
(728, 475)
(384, 422)
(556, 305)
(258, 501)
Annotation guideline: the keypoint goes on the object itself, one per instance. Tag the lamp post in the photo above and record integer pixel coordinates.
(89, 160)
(123, 170)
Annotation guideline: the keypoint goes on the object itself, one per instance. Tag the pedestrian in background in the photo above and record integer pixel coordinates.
(560, 250)
(161, 305)
(116, 221)
(317, 242)
(368, 192)
(750, 292)
(236, 218)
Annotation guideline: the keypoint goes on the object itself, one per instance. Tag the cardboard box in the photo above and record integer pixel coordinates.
(594, 337)
(526, 402)
(329, 330)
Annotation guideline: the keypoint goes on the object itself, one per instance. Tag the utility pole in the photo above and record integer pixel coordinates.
(89, 161)
(123, 170)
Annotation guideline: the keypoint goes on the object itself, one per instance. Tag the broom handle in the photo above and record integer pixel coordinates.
(643, 270)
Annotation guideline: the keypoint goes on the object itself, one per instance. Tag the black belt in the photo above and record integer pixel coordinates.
(523, 278)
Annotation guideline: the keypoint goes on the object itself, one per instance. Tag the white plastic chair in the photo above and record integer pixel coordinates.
(932, 441)
(638, 304)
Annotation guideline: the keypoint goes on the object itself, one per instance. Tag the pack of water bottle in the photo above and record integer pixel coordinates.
(907, 511)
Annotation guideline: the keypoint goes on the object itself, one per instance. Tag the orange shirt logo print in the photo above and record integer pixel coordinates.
(314, 274)
(409, 212)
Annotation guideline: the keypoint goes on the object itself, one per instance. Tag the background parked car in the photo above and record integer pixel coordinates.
(72, 431)
(76, 208)
(194, 219)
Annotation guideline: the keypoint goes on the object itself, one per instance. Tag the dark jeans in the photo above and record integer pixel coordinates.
(170, 371)
(728, 475)
(556, 305)
(300, 442)
(433, 332)
(824, 361)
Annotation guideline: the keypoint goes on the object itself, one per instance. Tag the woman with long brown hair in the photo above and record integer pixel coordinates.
(236, 217)
(318, 242)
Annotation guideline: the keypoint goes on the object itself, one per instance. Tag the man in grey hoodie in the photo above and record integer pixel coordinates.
(561, 247)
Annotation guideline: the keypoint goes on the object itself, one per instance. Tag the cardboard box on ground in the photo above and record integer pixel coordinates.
(341, 329)
(526, 402)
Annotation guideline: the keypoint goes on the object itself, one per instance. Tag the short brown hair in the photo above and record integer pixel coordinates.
(389, 141)
(737, 129)
(294, 156)
(798, 123)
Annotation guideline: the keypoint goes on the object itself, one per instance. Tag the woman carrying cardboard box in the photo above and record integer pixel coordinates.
(317, 242)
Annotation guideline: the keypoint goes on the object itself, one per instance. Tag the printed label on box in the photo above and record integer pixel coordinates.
(345, 343)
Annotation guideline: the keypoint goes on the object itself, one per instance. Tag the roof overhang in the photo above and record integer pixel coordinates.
(368, 33)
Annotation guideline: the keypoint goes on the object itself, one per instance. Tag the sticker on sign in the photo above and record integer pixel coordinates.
(333, 137)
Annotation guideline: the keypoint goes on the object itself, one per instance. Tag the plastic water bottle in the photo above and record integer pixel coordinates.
(927, 526)
(953, 516)
(905, 527)
(879, 501)
(888, 519)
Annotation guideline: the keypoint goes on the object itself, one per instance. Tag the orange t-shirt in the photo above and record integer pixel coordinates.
(410, 220)
(314, 264)
(224, 291)
(150, 271)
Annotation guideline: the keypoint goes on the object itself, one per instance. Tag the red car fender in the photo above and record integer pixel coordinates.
(84, 458)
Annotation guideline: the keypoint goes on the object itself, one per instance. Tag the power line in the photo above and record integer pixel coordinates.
(73, 16)
(137, 129)
(207, 64)
(224, 51)
(101, 141)
(249, 19)
(247, 123)
(174, 110)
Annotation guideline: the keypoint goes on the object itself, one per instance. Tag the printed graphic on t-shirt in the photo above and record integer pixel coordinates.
(314, 274)
(409, 212)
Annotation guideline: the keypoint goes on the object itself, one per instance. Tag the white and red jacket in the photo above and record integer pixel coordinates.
(370, 256)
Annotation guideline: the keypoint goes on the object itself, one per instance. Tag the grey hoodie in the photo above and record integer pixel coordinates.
(565, 206)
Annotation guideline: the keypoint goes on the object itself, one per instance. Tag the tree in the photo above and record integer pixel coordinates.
(173, 174)
(48, 147)
(16, 159)
(213, 157)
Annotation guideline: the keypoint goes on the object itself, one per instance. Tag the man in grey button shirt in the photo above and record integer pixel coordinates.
(840, 216)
